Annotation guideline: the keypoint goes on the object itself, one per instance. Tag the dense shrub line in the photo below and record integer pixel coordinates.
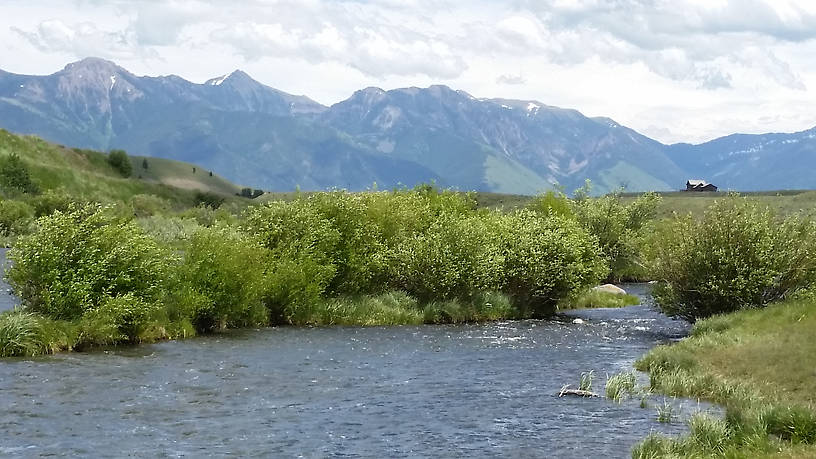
(407, 256)
(131, 273)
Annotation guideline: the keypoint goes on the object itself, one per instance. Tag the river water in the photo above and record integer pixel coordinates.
(486, 390)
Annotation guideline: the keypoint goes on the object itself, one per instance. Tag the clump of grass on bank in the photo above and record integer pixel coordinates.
(620, 386)
(600, 299)
(759, 365)
(393, 308)
(24, 333)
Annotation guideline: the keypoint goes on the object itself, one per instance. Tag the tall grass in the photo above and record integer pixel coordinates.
(599, 299)
(27, 334)
(585, 383)
(620, 386)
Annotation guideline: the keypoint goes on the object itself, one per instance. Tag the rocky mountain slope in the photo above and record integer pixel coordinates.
(265, 138)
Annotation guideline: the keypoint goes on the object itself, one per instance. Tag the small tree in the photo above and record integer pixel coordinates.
(119, 160)
(14, 175)
(144, 163)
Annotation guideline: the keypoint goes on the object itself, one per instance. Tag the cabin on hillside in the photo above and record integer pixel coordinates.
(699, 185)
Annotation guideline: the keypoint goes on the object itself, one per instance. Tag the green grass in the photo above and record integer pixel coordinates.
(665, 412)
(393, 308)
(180, 175)
(600, 299)
(585, 383)
(86, 174)
(761, 365)
(620, 386)
(27, 334)
(783, 202)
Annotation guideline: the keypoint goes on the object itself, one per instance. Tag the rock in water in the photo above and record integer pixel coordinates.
(609, 288)
(577, 321)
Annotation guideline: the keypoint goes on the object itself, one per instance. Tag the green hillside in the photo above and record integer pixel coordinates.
(87, 174)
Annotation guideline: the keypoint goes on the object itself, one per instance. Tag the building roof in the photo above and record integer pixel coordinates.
(696, 183)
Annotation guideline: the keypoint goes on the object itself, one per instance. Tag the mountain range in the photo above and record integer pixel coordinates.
(265, 138)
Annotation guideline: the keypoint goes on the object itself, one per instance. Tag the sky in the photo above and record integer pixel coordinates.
(675, 70)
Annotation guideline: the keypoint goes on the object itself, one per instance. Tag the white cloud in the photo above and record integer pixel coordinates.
(83, 39)
(638, 61)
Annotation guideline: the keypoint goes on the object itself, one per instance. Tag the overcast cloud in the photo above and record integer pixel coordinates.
(677, 70)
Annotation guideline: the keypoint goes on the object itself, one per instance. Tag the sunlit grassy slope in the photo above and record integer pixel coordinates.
(87, 173)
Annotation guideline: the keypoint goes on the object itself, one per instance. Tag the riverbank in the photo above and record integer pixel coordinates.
(760, 365)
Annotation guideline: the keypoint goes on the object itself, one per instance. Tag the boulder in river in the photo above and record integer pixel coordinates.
(609, 288)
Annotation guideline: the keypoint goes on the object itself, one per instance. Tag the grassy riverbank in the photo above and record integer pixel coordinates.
(599, 299)
(760, 364)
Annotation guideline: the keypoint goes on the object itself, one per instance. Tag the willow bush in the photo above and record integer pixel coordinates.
(620, 228)
(738, 256)
(224, 270)
(76, 260)
(432, 245)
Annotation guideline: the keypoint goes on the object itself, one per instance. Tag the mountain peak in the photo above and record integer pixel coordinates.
(237, 77)
(93, 64)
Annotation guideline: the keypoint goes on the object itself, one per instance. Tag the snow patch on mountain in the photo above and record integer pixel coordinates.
(217, 81)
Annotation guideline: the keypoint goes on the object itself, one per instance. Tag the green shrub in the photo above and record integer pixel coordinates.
(169, 231)
(738, 256)
(51, 201)
(226, 269)
(620, 228)
(14, 175)
(552, 203)
(208, 199)
(74, 261)
(453, 258)
(16, 218)
(121, 319)
(294, 289)
(145, 205)
(119, 160)
(546, 259)
(358, 252)
(434, 246)
(208, 216)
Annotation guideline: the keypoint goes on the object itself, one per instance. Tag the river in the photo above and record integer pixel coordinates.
(487, 390)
